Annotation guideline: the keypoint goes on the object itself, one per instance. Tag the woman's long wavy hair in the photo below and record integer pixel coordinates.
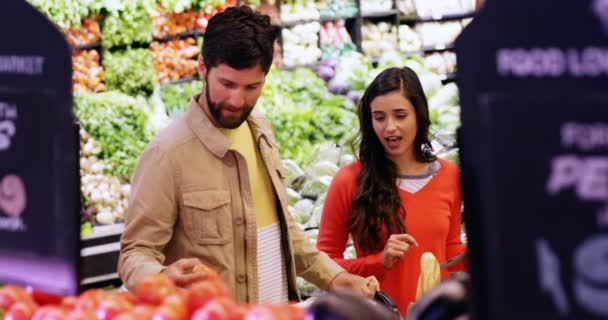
(377, 202)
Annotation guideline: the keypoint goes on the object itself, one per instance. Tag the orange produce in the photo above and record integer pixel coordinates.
(20, 311)
(154, 288)
(218, 309)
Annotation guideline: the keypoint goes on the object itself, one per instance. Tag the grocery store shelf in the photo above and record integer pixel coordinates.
(380, 14)
(187, 34)
(298, 22)
(104, 231)
(100, 249)
(330, 19)
(313, 65)
(105, 277)
(439, 17)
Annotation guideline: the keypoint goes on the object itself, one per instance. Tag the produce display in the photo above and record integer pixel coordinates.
(154, 297)
(441, 62)
(176, 97)
(332, 9)
(375, 6)
(267, 7)
(105, 196)
(168, 24)
(119, 124)
(379, 38)
(87, 71)
(175, 59)
(299, 10)
(436, 34)
(115, 130)
(439, 8)
(130, 71)
(409, 40)
(89, 32)
(406, 7)
(335, 40)
(301, 44)
(304, 113)
(127, 23)
(68, 14)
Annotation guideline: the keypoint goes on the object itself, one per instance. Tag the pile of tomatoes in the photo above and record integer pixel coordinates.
(155, 297)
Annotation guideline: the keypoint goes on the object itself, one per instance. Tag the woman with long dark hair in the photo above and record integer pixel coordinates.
(398, 200)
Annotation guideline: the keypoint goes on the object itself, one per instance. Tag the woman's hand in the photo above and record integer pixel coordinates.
(396, 248)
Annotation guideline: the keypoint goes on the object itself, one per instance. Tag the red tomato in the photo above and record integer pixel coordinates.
(154, 288)
(202, 292)
(144, 310)
(82, 314)
(69, 303)
(10, 294)
(50, 313)
(169, 312)
(43, 298)
(127, 296)
(111, 307)
(217, 309)
(90, 299)
(173, 307)
(20, 311)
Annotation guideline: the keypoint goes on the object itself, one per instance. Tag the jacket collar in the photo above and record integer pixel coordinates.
(212, 138)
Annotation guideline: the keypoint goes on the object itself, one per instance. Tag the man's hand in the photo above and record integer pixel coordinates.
(396, 248)
(181, 272)
(364, 286)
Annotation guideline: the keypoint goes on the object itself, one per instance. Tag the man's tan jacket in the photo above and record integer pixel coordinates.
(191, 198)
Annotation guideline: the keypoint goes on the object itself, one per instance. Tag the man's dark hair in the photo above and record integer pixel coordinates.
(240, 38)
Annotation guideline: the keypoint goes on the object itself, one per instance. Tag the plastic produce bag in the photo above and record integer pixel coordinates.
(302, 211)
(324, 168)
(316, 186)
(328, 152)
(293, 196)
(293, 170)
(315, 218)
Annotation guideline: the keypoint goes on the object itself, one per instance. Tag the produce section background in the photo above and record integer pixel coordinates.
(135, 69)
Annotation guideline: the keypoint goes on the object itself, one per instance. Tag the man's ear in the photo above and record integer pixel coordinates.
(202, 69)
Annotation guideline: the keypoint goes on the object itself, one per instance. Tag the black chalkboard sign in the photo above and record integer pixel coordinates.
(39, 176)
(533, 77)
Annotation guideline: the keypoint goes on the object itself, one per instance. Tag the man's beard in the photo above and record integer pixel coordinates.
(216, 111)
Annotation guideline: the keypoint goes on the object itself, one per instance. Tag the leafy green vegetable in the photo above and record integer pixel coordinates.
(176, 97)
(176, 6)
(130, 71)
(68, 13)
(304, 113)
(119, 124)
(128, 23)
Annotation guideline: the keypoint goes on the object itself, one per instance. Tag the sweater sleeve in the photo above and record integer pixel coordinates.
(333, 230)
(454, 244)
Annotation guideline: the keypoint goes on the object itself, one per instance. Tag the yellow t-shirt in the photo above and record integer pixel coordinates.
(264, 202)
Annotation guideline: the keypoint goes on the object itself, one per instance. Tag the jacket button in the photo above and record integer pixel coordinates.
(229, 160)
(239, 221)
(241, 278)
